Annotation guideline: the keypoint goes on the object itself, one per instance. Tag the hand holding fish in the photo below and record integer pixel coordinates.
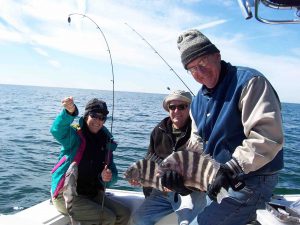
(225, 178)
(144, 173)
(106, 174)
(202, 172)
(68, 104)
(134, 182)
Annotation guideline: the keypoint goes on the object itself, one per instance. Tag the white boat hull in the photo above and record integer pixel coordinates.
(45, 213)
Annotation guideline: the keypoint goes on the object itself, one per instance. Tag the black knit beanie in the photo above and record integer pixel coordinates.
(96, 106)
(193, 44)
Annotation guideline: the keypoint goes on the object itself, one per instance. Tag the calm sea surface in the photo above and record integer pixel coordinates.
(28, 151)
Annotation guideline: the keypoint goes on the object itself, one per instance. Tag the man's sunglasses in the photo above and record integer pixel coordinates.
(97, 116)
(179, 107)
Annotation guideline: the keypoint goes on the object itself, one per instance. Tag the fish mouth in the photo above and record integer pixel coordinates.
(126, 176)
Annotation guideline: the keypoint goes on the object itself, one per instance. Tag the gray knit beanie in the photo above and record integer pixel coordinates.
(193, 44)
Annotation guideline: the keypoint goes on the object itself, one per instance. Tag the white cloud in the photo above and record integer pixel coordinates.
(54, 63)
(43, 26)
(41, 52)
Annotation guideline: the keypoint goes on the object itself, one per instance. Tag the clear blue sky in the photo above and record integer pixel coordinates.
(39, 47)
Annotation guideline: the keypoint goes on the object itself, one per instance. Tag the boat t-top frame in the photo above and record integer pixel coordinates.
(292, 5)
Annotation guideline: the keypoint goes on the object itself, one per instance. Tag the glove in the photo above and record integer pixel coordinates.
(227, 176)
(174, 181)
(147, 191)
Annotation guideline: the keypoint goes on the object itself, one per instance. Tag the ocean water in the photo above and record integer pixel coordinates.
(28, 151)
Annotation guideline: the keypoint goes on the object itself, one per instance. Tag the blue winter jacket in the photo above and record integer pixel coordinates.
(218, 120)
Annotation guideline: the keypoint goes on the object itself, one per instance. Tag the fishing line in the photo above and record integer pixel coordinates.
(111, 63)
(113, 98)
(160, 57)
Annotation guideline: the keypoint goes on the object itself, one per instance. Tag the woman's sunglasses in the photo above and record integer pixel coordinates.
(179, 107)
(97, 116)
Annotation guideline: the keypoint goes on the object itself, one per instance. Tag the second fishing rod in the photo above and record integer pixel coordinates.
(160, 57)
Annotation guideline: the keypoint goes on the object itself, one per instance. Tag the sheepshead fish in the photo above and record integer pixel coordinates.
(144, 171)
(69, 189)
(198, 170)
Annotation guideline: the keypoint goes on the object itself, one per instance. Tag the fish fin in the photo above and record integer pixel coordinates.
(153, 157)
(192, 188)
(147, 157)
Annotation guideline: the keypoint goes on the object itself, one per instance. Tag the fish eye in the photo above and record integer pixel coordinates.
(165, 165)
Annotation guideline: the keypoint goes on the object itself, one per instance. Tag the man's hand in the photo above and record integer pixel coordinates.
(134, 183)
(174, 181)
(226, 177)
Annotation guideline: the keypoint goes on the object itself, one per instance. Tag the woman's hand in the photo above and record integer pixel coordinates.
(68, 104)
(106, 174)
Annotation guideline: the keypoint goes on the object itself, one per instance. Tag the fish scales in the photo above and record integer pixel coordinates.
(151, 180)
(205, 169)
(151, 170)
(144, 171)
(199, 170)
(185, 158)
(211, 178)
(195, 158)
(200, 173)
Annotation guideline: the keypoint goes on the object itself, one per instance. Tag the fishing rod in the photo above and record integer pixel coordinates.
(160, 57)
(113, 99)
(111, 63)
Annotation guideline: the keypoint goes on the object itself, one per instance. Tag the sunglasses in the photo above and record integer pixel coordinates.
(179, 107)
(97, 116)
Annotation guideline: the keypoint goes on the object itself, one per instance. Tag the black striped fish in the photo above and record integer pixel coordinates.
(198, 170)
(145, 172)
(69, 189)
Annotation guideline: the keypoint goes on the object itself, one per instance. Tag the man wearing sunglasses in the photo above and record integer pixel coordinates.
(170, 135)
(90, 145)
(236, 117)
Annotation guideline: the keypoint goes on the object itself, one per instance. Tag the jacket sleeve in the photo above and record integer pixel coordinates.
(195, 143)
(151, 143)
(62, 131)
(261, 118)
